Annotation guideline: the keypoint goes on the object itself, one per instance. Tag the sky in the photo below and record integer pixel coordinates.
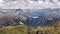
(29, 4)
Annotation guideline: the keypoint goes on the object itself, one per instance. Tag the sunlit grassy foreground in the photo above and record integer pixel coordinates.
(19, 29)
(23, 29)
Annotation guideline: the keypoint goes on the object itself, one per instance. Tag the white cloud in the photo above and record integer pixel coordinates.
(29, 4)
(55, 0)
(1, 1)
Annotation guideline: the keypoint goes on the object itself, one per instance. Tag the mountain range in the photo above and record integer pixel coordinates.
(29, 17)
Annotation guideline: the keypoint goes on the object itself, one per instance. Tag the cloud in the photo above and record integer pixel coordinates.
(29, 4)
(1, 1)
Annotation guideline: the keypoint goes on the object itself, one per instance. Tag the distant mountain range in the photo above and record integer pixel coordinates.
(30, 17)
(43, 17)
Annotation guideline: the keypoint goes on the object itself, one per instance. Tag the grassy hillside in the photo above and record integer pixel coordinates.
(19, 29)
(23, 29)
